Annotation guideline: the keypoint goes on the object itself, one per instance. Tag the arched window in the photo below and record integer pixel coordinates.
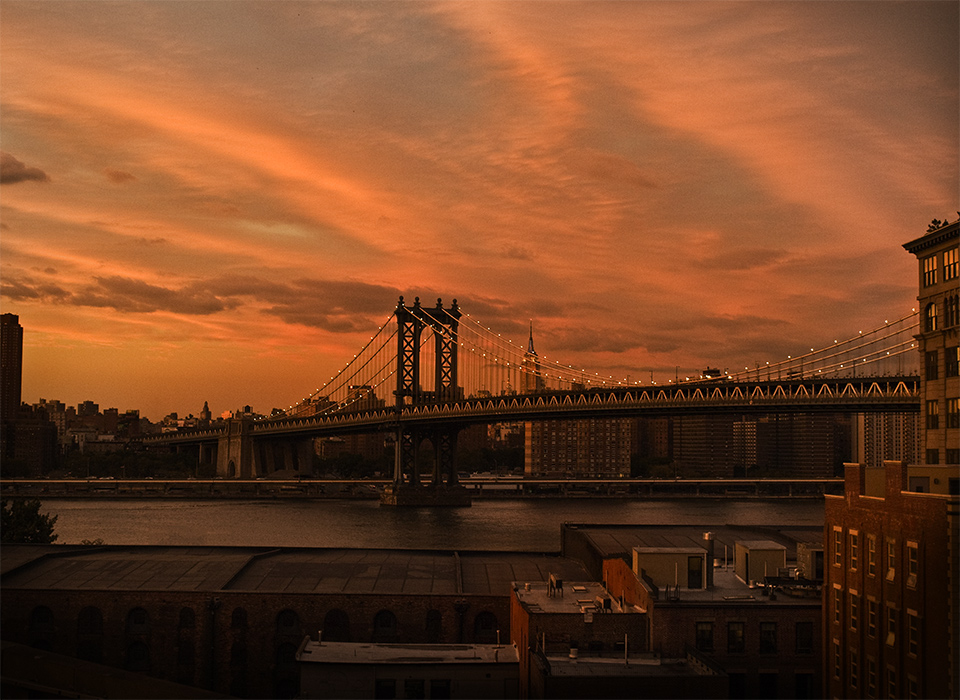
(138, 657)
(434, 627)
(41, 628)
(90, 635)
(385, 627)
(90, 621)
(288, 622)
(238, 655)
(336, 626)
(188, 618)
(286, 674)
(485, 628)
(238, 669)
(138, 622)
(238, 620)
(930, 317)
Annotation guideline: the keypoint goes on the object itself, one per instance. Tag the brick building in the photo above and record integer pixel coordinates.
(231, 619)
(748, 615)
(939, 304)
(575, 640)
(890, 612)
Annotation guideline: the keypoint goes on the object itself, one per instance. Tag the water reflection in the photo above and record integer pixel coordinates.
(507, 525)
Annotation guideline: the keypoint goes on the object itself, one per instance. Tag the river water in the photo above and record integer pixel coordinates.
(504, 525)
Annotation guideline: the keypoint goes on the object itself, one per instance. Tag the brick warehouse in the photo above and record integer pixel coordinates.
(231, 619)
(759, 623)
(891, 598)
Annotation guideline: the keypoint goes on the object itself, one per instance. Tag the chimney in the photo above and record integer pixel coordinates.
(896, 477)
(708, 543)
(854, 481)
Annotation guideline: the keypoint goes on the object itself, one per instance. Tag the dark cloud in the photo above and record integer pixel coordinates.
(13, 171)
(518, 253)
(741, 259)
(27, 289)
(336, 306)
(125, 294)
(118, 176)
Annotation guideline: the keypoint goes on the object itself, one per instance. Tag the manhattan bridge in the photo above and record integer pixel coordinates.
(430, 371)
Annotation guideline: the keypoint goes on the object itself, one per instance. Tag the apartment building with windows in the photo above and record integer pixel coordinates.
(890, 594)
(939, 305)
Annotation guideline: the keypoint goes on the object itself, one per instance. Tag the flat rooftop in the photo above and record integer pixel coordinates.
(564, 666)
(537, 597)
(273, 570)
(612, 541)
(413, 654)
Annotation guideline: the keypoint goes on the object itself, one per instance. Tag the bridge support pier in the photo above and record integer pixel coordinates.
(407, 488)
(235, 450)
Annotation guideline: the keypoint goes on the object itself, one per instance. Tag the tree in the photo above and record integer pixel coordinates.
(23, 522)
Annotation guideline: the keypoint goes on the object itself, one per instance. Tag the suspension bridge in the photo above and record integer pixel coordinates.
(430, 371)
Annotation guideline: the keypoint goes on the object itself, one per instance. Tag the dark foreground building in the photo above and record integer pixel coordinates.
(232, 619)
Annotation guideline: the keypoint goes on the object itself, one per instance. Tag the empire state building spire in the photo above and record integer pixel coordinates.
(530, 350)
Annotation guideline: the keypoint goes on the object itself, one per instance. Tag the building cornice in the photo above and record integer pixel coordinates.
(934, 238)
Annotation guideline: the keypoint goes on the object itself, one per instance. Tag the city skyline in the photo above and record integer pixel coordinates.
(222, 201)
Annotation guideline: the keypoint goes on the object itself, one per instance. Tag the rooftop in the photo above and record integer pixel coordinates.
(277, 570)
(561, 666)
(348, 653)
(572, 598)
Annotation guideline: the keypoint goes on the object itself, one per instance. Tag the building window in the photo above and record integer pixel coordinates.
(872, 618)
(953, 457)
(238, 619)
(913, 564)
(736, 643)
(854, 669)
(891, 626)
(933, 456)
(837, 660)
(871, 555)
(892, 691)
(913, 688)
(704, 636)
(439, 688)
(768, 637)
(930, 365)
(951, 311)
(953, 413)
(804, 637)
(837, 606)
(384, 627)
(952, 368)
(933, 415)
(871, 677)
(837, 546)
(950, 268)
(414, 688)
(930, 317)
(854, 549)
(854, 611)
(891, 559)
(385, 688)
(930, 271)
(913, 633)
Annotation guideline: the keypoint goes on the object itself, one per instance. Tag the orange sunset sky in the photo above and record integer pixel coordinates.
(221, 201)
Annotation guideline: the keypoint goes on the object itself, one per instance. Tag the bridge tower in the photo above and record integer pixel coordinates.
(408, 488)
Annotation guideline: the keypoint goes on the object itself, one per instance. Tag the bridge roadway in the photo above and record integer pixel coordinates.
(835, 395)
(482, 486)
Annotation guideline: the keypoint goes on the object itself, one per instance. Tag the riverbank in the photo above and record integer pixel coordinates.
(221, 489)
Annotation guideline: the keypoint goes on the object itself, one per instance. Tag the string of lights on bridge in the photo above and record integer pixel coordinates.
(490, 364)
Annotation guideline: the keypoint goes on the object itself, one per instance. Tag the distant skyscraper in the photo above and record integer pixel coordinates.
(11, 365)
(560, 448)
